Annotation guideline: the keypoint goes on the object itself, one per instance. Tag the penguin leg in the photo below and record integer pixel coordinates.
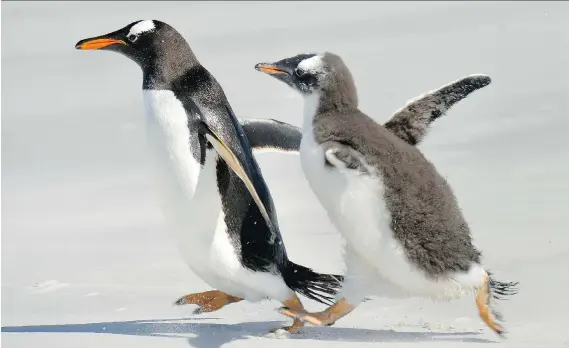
(208, 301)
(325, 318)
(483, 304)
(294, 304)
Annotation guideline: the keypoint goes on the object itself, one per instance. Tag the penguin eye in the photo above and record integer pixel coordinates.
(132, 38)
(299, 72)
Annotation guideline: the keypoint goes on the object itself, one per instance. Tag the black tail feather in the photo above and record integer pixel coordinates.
(501, 290)
(315, 286)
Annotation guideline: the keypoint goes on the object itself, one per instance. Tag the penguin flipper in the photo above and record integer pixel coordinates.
(271, 135)
(345, 158)
(237, 154)
(229, 157)
(411, 123)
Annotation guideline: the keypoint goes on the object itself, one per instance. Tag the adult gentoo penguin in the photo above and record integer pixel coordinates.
(405, 233)
(210, 188)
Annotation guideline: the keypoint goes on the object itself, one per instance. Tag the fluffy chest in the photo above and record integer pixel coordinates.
(356, 205)
(336, 188)
(354, 202)
(322, 181)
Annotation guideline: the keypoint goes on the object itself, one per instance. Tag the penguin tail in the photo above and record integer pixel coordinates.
(501, 290)
(315, 286)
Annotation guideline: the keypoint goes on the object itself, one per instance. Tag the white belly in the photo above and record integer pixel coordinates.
(375, 260)
(189, 198)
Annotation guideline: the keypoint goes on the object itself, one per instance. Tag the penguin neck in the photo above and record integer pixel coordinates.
(338, 95)
(319, 103)
(166, 70)
(311, 109)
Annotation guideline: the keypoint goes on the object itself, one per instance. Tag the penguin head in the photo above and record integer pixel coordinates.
(141, 41)
(310, 73)
(301, 72)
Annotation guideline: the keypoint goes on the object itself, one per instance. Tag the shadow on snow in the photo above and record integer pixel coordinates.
(211, 335)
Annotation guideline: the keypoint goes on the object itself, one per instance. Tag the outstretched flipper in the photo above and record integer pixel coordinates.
(412, 122)
(271, 135)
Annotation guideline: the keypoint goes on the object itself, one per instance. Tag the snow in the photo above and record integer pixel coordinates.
(85, 258)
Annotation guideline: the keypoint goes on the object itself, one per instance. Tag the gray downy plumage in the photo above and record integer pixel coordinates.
(426, 218)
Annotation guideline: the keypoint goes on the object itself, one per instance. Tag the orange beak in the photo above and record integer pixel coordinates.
(269, 69)
(96, 44)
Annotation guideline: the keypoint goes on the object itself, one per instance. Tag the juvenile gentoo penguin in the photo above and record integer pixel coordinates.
(210, 188)
(404, 231)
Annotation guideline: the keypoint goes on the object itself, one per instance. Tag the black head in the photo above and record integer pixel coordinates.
(326, 74)
(141, 41)
(302, 72)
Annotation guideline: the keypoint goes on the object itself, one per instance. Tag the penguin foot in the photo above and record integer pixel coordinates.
(208, 301)
(318, 319)
(325, 318)
(287, 330)
(489, 317)
(294, 303)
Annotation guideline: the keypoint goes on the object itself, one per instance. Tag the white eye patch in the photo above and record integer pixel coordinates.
(313, 64)
(141, 27)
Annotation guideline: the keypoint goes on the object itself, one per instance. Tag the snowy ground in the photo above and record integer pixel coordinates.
(85, 258)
